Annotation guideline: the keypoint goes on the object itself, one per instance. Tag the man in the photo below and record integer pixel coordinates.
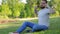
(43, 19)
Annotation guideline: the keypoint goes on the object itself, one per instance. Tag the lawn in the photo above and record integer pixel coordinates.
(11, 27)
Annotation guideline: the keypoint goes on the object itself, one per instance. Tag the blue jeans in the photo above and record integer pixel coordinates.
(34, 27)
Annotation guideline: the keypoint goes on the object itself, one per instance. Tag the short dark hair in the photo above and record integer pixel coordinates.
(45, 0)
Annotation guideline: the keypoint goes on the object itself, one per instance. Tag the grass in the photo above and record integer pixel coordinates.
(11, 27)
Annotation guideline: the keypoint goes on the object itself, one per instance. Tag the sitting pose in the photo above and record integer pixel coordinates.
(43, 19)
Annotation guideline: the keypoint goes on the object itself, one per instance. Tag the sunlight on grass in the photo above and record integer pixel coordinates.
(2, 26)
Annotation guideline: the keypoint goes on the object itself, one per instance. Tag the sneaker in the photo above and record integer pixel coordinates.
(13, 33)
(29, 31)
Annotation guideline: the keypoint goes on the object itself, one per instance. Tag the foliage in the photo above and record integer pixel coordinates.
(15, 8)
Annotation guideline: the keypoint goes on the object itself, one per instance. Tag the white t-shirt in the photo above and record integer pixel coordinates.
(43, 17)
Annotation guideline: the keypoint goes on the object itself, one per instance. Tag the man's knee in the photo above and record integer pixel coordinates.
(26, 22)
(35, 27)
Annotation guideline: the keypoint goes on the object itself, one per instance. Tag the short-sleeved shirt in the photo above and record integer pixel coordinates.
(43, 17)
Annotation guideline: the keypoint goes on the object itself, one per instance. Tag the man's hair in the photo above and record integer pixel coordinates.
(45, 0)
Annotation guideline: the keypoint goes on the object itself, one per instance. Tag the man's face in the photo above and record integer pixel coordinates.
(43, 4)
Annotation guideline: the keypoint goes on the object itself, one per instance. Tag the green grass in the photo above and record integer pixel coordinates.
(11, 27)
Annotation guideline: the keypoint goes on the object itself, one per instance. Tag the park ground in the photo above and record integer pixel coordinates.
(13, 26)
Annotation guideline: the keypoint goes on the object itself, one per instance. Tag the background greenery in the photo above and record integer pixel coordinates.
(16, 9)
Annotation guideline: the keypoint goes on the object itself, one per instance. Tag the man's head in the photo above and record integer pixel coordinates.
(43, 4)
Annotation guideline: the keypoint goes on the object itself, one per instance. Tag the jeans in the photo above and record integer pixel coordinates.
(34, 27)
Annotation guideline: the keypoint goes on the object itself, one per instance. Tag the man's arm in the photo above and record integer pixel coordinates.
(35, 9)
(52, 11)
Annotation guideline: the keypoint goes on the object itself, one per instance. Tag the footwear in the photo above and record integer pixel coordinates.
(13, 33)
(30, 31)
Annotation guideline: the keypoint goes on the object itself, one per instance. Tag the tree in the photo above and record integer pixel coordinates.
(5, 11)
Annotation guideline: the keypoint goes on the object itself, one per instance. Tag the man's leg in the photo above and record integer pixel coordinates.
(39, 28)
(23, 27)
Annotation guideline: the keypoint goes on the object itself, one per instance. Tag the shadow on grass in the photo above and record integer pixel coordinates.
(53, 29)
